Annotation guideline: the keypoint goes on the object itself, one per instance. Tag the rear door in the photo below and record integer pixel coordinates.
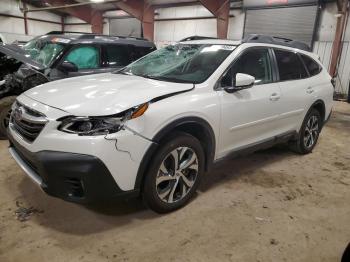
(294, 85)
(250, 116)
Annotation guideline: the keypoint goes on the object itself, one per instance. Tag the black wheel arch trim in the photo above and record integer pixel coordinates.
(209, 153)
(316, 103)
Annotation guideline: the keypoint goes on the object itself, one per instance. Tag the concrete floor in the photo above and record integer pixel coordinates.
(269, 206)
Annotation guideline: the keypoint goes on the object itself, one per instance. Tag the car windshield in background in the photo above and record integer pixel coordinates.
(187, 63)
(43, 51)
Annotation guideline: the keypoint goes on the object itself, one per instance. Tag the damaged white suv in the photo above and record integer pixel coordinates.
(156, 126)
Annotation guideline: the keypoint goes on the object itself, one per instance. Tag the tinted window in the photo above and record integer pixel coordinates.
(255, 62)
(117, 55)
(311, 65)
(290, 66)
(84, 57)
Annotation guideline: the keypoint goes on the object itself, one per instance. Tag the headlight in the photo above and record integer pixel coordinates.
(90, 125)
(93, 126)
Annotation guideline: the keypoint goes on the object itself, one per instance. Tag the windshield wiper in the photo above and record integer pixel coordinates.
(164, 78)
(122, 72)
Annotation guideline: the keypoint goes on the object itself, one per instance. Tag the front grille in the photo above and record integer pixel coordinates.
(27, 122)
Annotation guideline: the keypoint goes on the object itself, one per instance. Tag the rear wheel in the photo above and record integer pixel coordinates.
(308, 134)
(5, 112)
(174, 174)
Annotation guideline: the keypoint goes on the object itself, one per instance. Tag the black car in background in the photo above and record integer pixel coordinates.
(58, 55)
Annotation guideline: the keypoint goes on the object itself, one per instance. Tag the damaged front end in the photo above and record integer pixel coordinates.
(19, 81)
(92, 126)
(18, 72)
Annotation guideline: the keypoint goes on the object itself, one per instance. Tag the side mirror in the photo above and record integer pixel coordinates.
(68, 67)
(243, 81)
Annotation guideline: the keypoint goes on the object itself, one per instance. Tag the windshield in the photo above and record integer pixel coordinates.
(188, 63)
(43, 51)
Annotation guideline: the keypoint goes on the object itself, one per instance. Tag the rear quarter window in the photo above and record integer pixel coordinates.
(312, 66)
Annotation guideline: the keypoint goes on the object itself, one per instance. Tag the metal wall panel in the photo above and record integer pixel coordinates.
(293, 22)
(125, 27)
(324, 50)
(269, 3)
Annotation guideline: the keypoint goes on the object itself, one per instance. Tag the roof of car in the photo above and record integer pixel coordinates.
(211, 41)
(77, 38)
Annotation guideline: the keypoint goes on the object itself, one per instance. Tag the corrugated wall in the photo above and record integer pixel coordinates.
(324, 50)
(168, 31)
(323, 47)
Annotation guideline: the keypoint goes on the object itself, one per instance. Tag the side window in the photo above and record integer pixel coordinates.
(84, 57)
(117, 55)
(141, 51)
(254, 62)
(311, 65)
(290, 66)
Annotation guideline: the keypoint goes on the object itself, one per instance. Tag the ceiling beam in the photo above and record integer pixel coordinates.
(141, 10)
(221, 10)
(83, 12)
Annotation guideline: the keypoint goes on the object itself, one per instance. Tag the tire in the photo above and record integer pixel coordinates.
(167, 188)
(5, 110)
(308, 134)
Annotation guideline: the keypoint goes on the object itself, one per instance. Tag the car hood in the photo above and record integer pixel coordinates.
(18, 53)
(102, 94)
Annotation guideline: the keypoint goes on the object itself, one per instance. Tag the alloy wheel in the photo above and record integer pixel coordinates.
(311, 132)
(177, 174)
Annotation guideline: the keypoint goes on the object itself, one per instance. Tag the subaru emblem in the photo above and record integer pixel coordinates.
(18, 113)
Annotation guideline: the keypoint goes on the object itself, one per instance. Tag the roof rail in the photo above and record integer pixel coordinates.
(196, 37)
(93, 35)
(87, 36)
(66, 32)
(267, 39)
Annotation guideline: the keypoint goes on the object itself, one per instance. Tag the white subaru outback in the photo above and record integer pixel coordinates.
(156, 126)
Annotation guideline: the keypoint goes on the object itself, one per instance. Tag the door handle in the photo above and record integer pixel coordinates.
(309, 90)
(275, 97)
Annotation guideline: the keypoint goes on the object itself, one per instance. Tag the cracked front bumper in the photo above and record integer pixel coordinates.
(96, 166)
(73, 177)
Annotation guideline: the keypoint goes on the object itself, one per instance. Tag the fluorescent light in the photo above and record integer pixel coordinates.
(97, 1)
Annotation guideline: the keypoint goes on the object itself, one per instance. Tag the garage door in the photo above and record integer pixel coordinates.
(291, 22)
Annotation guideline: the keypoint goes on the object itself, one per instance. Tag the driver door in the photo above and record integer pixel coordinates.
(87, 59)
(249, 116)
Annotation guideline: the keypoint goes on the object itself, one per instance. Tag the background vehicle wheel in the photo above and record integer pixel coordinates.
(174, 174)
(308, 134)
(5, 111)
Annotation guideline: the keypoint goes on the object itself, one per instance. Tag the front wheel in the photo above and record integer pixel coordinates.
(309, 133)
(174, 174)
(5, 112)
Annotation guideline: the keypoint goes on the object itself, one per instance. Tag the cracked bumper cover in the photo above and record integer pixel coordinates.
(73, 177)
(98, 166)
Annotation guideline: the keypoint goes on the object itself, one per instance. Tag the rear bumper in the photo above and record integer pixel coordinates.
(73, 177)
